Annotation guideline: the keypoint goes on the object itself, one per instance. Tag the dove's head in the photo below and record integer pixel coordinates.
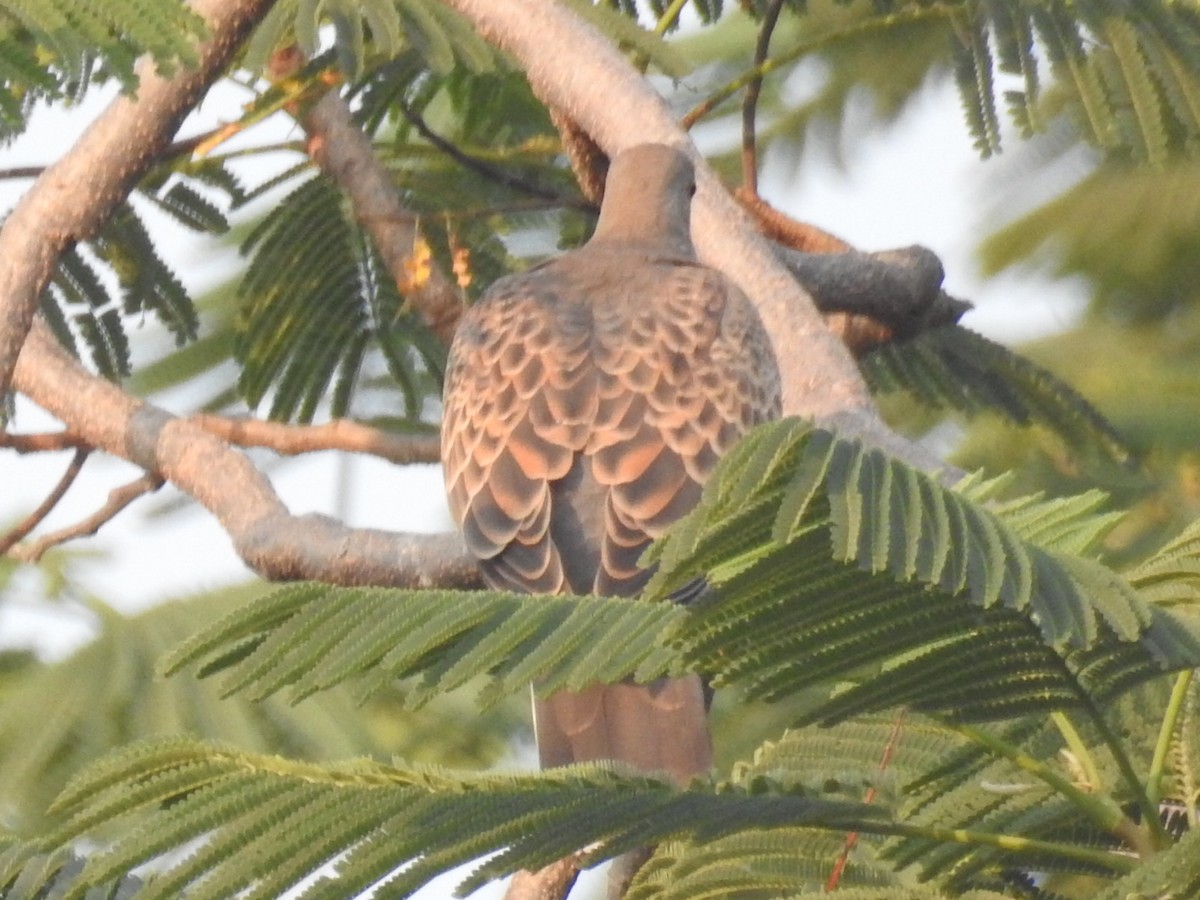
(648, 198)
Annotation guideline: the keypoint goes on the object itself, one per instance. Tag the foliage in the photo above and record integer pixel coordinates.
(57, 50)
(309, 816)
(830, 570)
(106, 695)
(954, 368)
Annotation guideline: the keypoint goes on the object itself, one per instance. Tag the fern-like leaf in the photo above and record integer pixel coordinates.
(369, 31)
(104, 695)
(374, 818)
(55, 49)
(312, 637)
(969, 598)
(824, 563)
(955, 368)
(314, 297)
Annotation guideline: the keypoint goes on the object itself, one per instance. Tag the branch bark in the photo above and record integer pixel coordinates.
(274, 543)
(75, 196)
(339, 434)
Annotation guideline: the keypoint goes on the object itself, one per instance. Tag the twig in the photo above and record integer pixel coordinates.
(878, 23)
(486, 170)
(45, 442)
(889, 750)
(750, 102)
(21, 172)
(181, 147)
(669, 17)
(118, 499)
(35, 518)
(340, 434)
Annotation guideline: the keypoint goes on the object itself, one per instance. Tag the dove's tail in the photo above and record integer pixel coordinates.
(656, 727)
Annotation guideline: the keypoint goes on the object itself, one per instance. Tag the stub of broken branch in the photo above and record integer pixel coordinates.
(867, 299)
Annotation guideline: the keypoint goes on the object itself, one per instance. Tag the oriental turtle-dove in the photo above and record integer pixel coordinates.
(586, 402)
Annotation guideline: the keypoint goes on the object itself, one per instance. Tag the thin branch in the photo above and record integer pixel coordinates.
(889, 750)
(488, 171)
(274, 543)
(118, 499)
(340, 434)
(750, 101)
(31, 521)
(21, 172)
(75, 196)
(669, 17)
(878, 23)
(1167, 734)
(1100, 809)
(45, 442)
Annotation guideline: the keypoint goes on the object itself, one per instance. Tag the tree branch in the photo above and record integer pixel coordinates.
(750, 101)
(549, 883)
(500, 176)
(35, 518)
(47, 442)
(274, 543)
(576, 71)
(339, 434)
(118, 499)
(75, 196)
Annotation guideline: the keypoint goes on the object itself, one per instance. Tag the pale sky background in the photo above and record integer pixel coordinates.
(937, 201)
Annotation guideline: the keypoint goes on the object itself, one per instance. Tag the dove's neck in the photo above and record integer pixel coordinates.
(655, 224)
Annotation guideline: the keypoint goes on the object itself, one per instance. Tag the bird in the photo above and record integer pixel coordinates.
(586, 402)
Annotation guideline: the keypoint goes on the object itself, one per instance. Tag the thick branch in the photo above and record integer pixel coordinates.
(576, 71)
(78, 194)
(270, 540)
(901, 288)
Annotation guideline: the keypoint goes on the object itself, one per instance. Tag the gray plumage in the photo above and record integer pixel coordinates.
(586, 402)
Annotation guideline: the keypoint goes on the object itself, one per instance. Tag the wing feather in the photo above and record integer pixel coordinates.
(578, 428)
